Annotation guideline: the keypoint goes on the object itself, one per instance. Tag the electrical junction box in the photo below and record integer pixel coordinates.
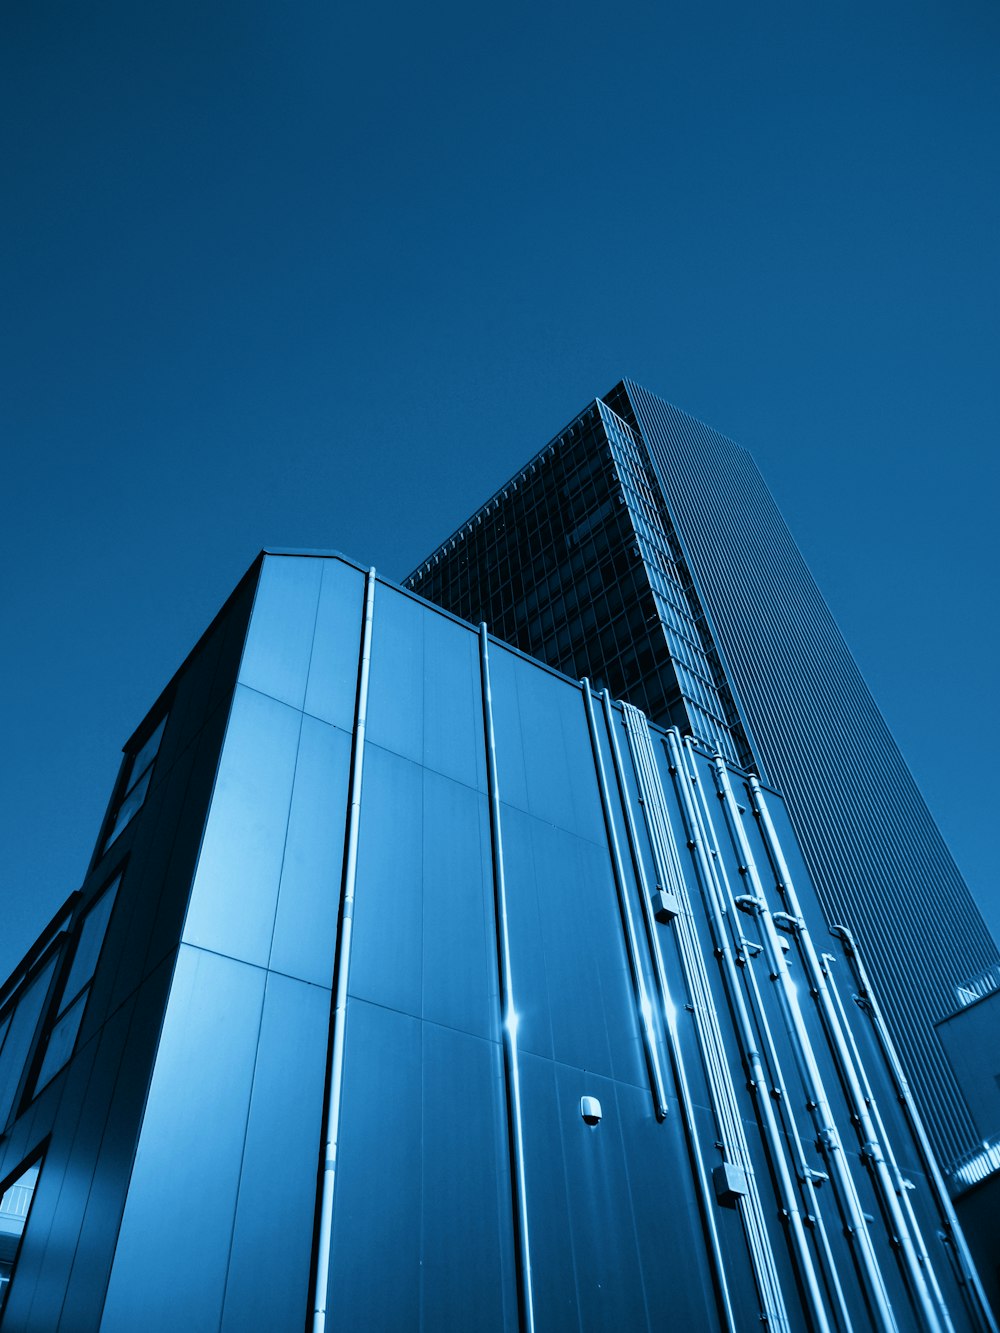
(730, 1183)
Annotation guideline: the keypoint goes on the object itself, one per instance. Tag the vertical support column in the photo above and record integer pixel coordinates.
(631, 942)
(508, 1011)
(705, 1201)
(335, 1070)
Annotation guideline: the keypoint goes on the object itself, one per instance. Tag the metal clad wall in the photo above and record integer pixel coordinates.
(225, 1168)
(87, 1119)
(876, 855)
(517, 835)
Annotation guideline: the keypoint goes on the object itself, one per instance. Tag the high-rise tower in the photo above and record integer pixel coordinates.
(643, 549)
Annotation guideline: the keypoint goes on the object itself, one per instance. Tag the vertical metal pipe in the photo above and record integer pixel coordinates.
(335, 1071)
(667, 1013)
(722, 1096)
(508, 1012)
(934, 1310)
(786, 1187)
(828, 1133)
(806, 1175)
(982, 1307)
(643, 1006)
(763, 1259)
(901, 1190)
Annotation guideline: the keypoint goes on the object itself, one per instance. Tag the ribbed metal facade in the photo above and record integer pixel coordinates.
(759, 671)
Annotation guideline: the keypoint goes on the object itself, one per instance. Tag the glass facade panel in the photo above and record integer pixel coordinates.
(136, 784)
(91, 937)
(67, 1010)
(145, 756)
(23, 1022)
(61, 1040)
(15, 1207)
(130, 806)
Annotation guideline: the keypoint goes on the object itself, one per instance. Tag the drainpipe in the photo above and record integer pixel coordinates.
(335, 1072)
(639, 995)
(508, 1012)
(705, 1200)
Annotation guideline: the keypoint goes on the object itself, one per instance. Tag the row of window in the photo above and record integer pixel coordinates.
(56, 985)
(55, 981)
(15, 1205)
(535, 513)
(41, 1016)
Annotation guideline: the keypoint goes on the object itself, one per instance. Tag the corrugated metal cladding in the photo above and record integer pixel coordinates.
(549, 1046)
(876, 856)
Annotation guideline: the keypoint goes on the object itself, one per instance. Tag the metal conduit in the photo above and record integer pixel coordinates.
(508, 1011)
(900, 1186)
(335, 1070)
(822, 1113)
(760, 1245)
(805, 1173)
(760, 1085)
(722, 1096)
(887, 1174)
(981, 1305)
(652, 800)
(632, 944)
(786, 1187)
(728, 1114)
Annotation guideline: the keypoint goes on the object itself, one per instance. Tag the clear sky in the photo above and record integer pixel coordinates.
(325, 275)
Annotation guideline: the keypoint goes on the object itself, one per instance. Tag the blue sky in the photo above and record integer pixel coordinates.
(281, 275)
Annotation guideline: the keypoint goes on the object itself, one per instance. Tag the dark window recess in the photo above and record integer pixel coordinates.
(18, 1024)
(15, 1206)
(72, 998)
(139, 772)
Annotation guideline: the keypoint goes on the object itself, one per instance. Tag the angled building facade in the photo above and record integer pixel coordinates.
(642, 548)
(414, 985)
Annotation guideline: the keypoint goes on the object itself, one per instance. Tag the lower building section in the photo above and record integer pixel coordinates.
(472, 1000)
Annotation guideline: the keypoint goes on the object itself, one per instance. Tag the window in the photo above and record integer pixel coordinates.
(18, 1023)
(72, 996)
(15, 1205)
(136, 783)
